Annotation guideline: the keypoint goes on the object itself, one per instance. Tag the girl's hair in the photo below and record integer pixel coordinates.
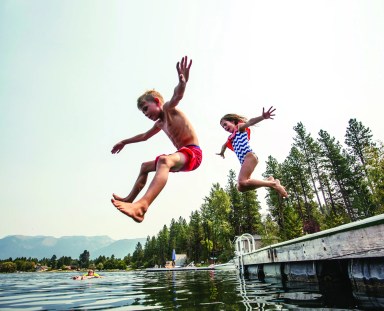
(235, 118)
(149, 96)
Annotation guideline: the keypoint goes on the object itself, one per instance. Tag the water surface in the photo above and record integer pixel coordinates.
(140, 290)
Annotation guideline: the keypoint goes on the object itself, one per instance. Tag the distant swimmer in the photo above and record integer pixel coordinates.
(91, 274)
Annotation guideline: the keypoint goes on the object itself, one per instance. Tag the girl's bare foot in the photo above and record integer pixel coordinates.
(116, 197)
(133, 210)
(280, 189)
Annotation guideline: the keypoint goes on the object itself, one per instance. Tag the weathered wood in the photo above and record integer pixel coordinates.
(346, 262)
(360, 239)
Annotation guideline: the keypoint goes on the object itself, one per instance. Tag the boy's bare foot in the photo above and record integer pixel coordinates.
(116, 197)
(280, 189)
(133, 210)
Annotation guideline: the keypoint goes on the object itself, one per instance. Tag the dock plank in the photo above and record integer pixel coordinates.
(359, 239)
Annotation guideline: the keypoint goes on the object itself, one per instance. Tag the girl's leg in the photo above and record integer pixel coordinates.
(245, 183)
(141, 180)
(138, 209)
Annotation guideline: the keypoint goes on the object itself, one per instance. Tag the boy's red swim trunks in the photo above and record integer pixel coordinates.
(194, 156)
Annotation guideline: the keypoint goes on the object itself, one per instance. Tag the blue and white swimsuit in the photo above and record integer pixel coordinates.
(239, 143)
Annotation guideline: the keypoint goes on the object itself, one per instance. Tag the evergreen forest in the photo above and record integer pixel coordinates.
(329, 184)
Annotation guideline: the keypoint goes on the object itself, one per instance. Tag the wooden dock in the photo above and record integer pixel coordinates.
(349, 257)
(360, 239)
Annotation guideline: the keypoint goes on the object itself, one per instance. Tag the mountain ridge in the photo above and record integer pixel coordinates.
(14, 246)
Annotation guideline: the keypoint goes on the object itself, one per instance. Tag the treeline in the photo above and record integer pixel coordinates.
(65, 263)
(328, 185)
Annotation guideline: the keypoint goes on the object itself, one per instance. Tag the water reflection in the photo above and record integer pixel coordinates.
(297, 295)
(192, 290)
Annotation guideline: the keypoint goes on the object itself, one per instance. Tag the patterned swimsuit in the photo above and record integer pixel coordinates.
(239, 143)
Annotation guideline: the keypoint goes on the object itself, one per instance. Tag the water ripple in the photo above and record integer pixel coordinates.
(192, 290)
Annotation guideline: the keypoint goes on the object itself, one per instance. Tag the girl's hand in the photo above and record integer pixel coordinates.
(221, 154)
(269, 114)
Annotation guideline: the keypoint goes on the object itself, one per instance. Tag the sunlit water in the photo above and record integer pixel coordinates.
(140, 290)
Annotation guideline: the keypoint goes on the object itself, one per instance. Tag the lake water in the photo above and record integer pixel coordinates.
(140, 290)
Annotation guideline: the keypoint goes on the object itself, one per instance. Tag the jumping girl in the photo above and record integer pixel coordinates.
(238, 141)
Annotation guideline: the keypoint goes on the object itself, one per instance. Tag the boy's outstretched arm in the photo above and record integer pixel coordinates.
(135, 139)
(265, 115)
(183, 72)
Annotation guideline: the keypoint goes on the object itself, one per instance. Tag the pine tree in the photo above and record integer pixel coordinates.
(270, 231)
(215, 212)
(358, 138)
(274, 200)
(195, 237)
(361, 147)
(337, 168)
(163, 248)
(137, 256)
(236, 213)
(310, 150)
(376, 175)
(293, 224)
(150, 252)
(251, 217)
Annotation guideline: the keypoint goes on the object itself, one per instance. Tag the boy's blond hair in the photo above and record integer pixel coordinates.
(149, 96)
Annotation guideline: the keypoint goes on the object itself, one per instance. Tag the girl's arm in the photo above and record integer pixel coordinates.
(223, 148)
(265, 115)
(135, 139)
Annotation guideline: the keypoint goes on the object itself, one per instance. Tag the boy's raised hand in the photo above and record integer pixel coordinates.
(183, 69)
(269, 114)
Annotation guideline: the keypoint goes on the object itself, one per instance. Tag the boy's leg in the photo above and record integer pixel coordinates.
(165, 163)
(141, 180)
(245, 183)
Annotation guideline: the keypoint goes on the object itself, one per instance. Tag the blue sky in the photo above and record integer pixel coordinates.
(71, 72)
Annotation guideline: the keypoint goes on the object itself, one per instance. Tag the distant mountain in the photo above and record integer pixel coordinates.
(119, 248)
(46, 246)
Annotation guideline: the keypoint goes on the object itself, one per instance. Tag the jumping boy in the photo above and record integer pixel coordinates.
(174, 123)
